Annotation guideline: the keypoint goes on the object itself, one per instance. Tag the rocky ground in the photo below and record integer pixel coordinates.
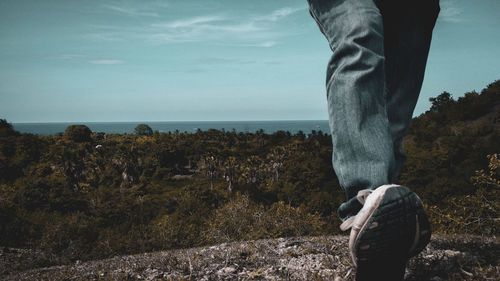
(297, 258)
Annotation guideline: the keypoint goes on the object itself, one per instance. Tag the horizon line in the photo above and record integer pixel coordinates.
(267, 120)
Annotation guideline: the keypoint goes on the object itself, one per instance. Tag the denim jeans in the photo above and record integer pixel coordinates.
(373, 80)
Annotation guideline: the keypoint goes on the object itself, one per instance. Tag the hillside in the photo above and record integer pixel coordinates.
(83, 195)
(299, 258)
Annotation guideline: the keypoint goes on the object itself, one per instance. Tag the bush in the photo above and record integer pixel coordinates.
(476, 213)
(234, 221)
(242, 219)
(283, 220)
(6, 128)
(471, 214)
(78, 133)
(70, 237)
(143, 130)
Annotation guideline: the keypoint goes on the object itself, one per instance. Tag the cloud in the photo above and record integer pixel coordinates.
(450, 12)
(240, 30)
(107, 36)
(129, 11)
(267, 44)
(264, 44)
(81, 58)
(279, 14)
(218, 61)
(191, 22)
(65, 56)
(203, 28)
(106, 62)
(218, 28)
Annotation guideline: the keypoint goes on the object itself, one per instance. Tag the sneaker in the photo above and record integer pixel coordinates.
(391, 227)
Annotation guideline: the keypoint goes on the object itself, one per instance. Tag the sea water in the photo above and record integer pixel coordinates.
(269, 127)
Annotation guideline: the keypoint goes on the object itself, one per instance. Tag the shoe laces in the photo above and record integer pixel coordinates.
(362, 195)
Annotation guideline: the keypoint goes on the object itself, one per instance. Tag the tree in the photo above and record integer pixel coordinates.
(78, 133)
(210, 164)
(440, 102)
(275, 161)
(143, 130)
(6, 128)
(252, 170)
(230, 168)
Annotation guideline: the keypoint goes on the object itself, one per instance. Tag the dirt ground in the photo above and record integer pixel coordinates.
(295, 258)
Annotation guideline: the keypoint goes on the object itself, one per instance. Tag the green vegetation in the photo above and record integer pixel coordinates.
(78, 133)
(84, 195)
(143, 130)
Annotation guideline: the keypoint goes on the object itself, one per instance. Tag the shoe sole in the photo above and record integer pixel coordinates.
(395, 227)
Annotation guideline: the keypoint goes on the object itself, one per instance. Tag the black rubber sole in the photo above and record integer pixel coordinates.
(388, 269)
(384, 244)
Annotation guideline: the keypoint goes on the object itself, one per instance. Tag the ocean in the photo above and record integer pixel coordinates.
(269, 127)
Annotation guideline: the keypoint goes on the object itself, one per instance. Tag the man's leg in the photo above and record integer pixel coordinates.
(387, 224)
(408, 28)
(363, 156)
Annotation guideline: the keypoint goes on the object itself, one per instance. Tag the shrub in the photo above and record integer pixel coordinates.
(476, 213)
(6, 128)
(78, 133)
(282, 220)
(70, 237)
(234, 221)
(143, 130)
(242, 219)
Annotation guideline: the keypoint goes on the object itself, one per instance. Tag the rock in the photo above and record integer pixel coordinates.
(152, 274)
(226, 270)
(451, 253)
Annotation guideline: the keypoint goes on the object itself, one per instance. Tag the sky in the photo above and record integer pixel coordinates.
(203, 60)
